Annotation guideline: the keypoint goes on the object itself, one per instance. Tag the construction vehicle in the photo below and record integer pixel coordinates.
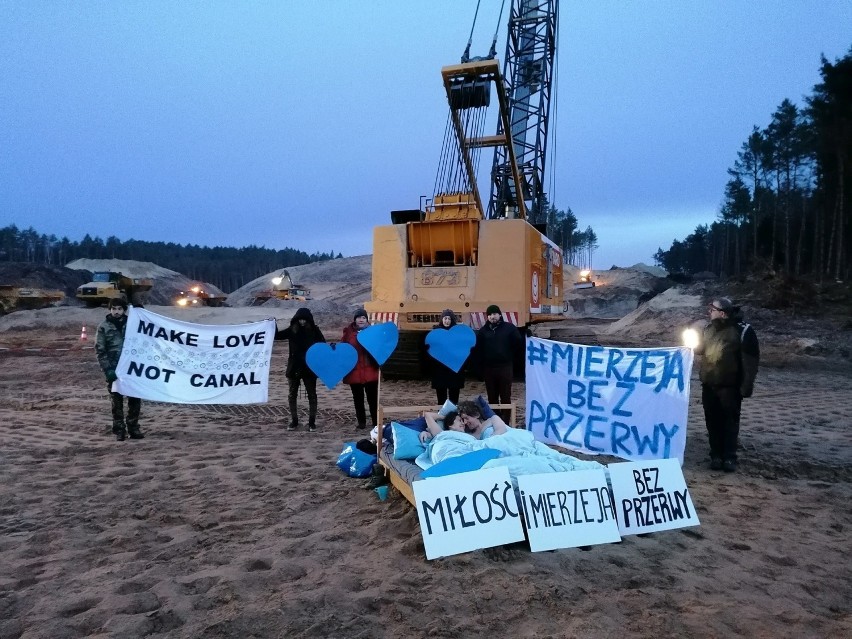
(14, 298)
(456, 254)
(109, 285)
(283, 288)
(197, 296)
(585, 280)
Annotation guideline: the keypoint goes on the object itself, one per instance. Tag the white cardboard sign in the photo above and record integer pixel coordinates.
(467, 511)
(566, 510)
(650, 496)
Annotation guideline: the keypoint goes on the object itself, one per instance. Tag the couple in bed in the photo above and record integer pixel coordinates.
(467, 430)
(467, 418)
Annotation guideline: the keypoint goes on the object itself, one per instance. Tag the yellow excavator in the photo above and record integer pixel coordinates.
(457, 253)
(283, 288)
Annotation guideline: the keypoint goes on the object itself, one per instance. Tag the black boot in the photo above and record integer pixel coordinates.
(294, 414)
(118, 430)
(312, 414)
(378, 479)
(135, 433)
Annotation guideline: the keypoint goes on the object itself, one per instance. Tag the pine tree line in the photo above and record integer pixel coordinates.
(225, 267)
(786, 204)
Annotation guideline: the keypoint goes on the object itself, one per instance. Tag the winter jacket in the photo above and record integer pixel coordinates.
(496, 344)
(366, 369)
(731, 355)
(109, 341)
(301, 339)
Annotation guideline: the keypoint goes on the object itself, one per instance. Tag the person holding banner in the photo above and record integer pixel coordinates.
(302, 334)
(363, 380)
(108, 345)
(728, 369)
(496, 344)
(446, 382)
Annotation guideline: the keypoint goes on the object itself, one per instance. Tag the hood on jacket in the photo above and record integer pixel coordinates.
(447, 312)
(305, 314)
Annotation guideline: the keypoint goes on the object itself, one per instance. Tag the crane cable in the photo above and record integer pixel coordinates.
(466, 55)
(492, 53)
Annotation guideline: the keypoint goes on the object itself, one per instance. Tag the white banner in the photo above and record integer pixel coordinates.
(464, 512)
(651, 496)
(627, 402)
(167, 360)
(566, 510)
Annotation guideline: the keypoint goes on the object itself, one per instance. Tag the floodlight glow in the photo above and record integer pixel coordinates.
(690, 338)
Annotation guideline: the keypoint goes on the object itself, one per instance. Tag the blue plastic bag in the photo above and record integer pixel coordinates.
(354, 462)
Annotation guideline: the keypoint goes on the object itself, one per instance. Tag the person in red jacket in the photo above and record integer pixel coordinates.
(364, 378)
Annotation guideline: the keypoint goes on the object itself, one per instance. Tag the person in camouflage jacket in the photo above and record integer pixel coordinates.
(108, 345)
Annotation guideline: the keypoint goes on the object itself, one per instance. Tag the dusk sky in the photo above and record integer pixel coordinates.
(303, 124)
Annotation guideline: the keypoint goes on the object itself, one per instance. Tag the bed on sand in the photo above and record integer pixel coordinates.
(403, 473)
(404, 457)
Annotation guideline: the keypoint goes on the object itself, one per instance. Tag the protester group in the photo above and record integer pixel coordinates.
(729, 359)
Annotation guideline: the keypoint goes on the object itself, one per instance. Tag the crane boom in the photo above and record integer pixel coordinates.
(528, 73)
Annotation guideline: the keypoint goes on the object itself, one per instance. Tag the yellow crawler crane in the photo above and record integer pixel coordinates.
(453, 255)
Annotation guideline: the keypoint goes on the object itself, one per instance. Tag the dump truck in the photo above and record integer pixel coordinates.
(459, 253)
(109, 285)
(283, 288)
(197, 296)
(14, 298)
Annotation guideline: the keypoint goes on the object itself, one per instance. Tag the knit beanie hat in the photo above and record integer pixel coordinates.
(725, 304)
(360, 313)
(493, 309)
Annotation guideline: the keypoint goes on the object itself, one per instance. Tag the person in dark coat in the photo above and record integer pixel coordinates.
(108, 345)
(446, 382)
(730, 356)
(363, 380)
(496, 344)
(302, 334)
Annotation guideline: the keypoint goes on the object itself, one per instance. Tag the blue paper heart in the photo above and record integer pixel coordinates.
(331, 364)
(451, 346)
(380, 340)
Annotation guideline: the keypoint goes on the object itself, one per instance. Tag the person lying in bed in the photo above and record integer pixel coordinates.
(519, 452)
(476, 424)
(452, 422)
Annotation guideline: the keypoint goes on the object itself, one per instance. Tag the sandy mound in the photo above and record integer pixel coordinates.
(616, 293)
(337, 287)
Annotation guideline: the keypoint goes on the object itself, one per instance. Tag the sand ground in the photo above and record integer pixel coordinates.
(221, 524)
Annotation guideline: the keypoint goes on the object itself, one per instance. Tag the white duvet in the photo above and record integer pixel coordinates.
(519, 452)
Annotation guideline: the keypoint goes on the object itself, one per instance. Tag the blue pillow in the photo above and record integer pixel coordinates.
(484, 408)
(406, 442)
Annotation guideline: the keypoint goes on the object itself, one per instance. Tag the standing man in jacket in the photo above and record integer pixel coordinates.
(496, 344)
(108, 345)
(302, 334)
(731, 355)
